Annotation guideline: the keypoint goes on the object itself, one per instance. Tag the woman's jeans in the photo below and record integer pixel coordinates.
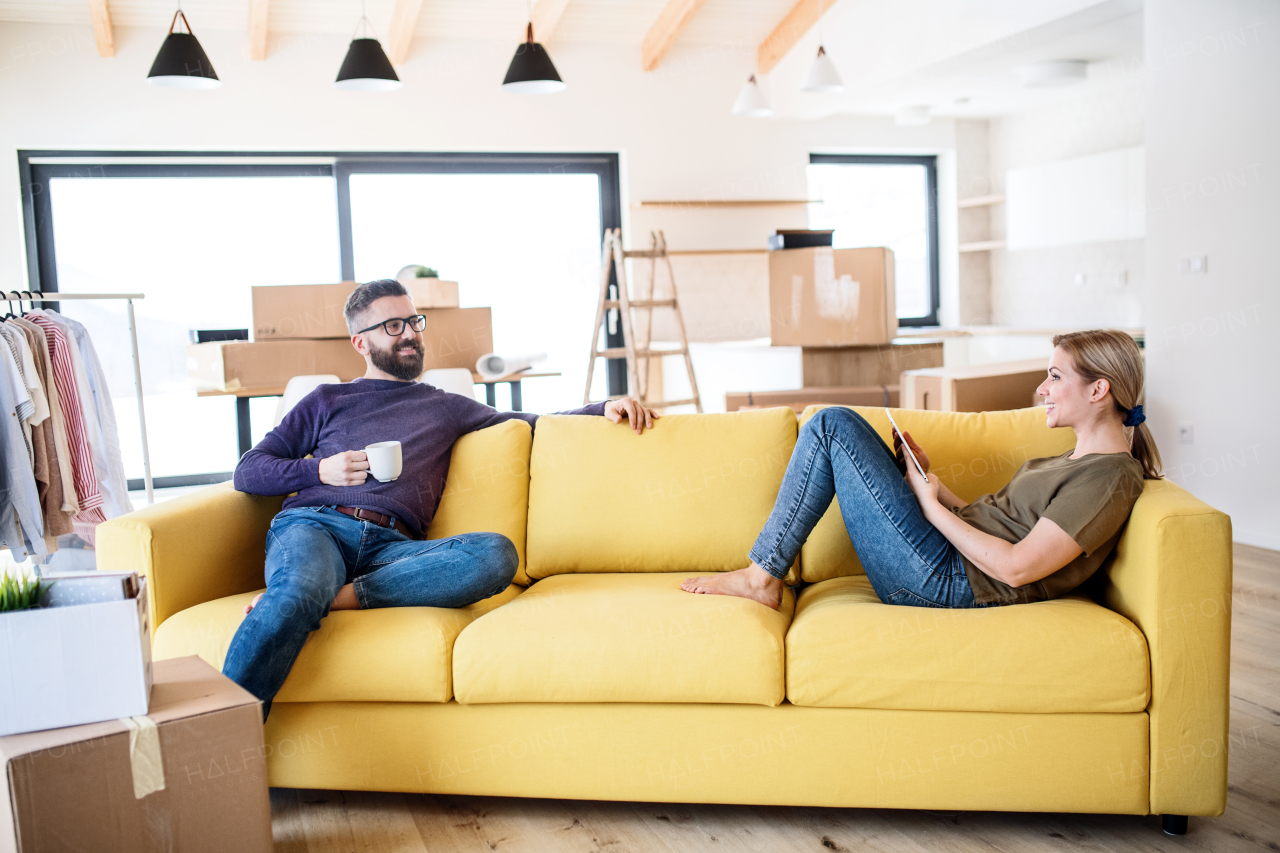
(313, 551)
(905, 557)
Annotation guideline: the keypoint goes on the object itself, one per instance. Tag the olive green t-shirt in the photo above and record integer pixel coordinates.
(1089, 498)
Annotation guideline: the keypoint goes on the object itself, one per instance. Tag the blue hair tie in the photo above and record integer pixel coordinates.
(1134, 417)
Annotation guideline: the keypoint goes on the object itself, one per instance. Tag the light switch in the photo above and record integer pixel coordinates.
(1194, 265)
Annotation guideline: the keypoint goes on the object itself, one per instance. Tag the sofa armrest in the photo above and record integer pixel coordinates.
(1171, 576)
(192, 549)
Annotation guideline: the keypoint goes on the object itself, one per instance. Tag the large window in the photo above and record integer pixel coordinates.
(521, 233)
(884, 200)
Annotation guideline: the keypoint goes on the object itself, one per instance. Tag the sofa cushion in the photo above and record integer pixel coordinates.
(393, 654)
(487, 489)
(623, 638)
(973, 453)
(847, 650)
(689, 495)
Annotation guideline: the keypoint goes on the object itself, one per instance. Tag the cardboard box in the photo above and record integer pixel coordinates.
(315, 310)
(244, 365)
(799, 399)
(63, 666)
(192, 777)
(457, 337)
(823, 367)
(824, 297)
(975, 388)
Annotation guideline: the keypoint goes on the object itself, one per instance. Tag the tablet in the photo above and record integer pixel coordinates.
(906, 446)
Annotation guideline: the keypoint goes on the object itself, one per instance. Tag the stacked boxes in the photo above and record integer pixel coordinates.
(838, 306)
(299, 330)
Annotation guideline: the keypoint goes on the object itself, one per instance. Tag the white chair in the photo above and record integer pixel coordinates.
(455, 380)
(299, 387)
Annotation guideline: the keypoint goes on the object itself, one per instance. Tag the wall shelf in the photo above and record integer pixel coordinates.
(981, 200)
(982, 246)
(738, 203)
(718, 252)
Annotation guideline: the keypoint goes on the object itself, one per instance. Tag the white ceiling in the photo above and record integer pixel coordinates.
(957, 57)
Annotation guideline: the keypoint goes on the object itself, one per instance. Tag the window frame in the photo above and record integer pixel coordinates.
(37, 210)
(930, 163)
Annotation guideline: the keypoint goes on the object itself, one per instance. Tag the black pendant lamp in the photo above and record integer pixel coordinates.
(531, 71)
(366, 68)
(182, 62)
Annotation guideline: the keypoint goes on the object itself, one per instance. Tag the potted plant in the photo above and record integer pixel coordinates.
(20, 593)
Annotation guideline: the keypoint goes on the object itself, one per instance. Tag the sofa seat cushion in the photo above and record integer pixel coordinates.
(393, 654)
(623, 638)
(847, 650)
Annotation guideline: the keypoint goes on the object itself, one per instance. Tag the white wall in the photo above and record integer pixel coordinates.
(1213, 175)
(672, 126)
(1032, 285)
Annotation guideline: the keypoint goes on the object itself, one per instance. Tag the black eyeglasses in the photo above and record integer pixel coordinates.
(395, 326)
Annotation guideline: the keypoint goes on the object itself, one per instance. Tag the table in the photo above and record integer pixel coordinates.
(244, 428)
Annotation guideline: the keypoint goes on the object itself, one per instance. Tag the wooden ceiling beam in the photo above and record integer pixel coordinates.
(102, 31)
(798, 21)
(404, 21)
(546, 15)
(663, 34)
(258, 29)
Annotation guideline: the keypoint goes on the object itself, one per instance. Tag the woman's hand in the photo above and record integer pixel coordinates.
(926, 492)
(626, 407)
(915, 448)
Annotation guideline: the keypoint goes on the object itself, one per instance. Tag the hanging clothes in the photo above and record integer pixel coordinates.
(21, 518)
(100, 418)
(49, 482)
(58, 428)
(83, 474)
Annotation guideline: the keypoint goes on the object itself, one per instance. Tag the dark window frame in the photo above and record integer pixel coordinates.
(37, 211)
(930, 163)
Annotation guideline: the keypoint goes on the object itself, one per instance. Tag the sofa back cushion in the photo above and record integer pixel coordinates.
(690, 494)
(488, 487)
(972, 453)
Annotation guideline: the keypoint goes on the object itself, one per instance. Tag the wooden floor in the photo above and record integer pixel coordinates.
(353, 822)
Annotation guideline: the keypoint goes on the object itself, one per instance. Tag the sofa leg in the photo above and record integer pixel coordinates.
(1173, 824)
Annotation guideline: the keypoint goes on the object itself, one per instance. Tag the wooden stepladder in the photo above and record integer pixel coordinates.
(638, 384)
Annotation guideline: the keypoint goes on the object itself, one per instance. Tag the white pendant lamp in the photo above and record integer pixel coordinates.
(751, 101)
(823, 76)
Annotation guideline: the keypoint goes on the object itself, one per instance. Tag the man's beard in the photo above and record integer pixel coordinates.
(407, 367)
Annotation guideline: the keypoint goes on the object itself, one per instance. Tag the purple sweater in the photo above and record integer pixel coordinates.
(333, 418)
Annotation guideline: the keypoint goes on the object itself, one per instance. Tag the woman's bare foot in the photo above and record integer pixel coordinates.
(752, 583)
(344, 600)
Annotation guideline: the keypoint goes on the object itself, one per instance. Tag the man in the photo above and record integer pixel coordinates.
(346, 541)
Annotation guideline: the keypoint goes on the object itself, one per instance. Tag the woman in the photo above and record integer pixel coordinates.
(1039, 537)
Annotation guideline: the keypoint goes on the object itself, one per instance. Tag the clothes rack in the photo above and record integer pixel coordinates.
(21, 296)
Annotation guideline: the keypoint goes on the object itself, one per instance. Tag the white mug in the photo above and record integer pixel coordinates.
(385, 460)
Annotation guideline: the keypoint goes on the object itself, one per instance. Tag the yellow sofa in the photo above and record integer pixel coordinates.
(595, 677)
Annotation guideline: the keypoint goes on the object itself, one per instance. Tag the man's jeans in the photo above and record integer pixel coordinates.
(313, 551)
(907, 559)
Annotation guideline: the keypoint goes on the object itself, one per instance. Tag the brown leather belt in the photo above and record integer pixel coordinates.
(376, 518)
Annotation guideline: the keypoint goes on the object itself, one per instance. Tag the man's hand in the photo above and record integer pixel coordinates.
(625, 407)
(349, 468)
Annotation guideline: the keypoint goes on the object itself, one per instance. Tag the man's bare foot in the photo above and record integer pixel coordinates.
(752, 583)
(344, 600)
